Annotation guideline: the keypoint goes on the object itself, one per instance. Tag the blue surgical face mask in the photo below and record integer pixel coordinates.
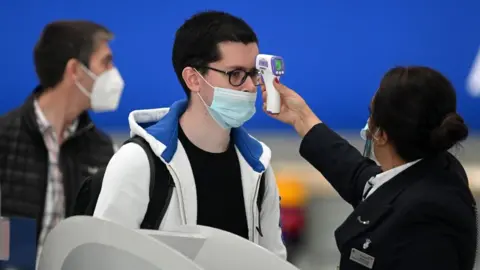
(231, 108)
(368, 150)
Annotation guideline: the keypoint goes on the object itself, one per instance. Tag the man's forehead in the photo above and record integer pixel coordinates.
(238, 55)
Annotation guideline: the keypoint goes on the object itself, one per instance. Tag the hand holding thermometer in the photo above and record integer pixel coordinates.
(271, 67)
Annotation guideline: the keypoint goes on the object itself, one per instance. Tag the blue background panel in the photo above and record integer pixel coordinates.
(335, 51)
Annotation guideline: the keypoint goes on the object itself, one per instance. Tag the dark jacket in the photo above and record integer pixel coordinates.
(424, 218)
(24, 161)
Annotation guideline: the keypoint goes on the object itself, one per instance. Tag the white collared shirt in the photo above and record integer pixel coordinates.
(377, 181)
(54, 210)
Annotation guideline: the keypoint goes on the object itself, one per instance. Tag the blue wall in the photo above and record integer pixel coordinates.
(335, 51)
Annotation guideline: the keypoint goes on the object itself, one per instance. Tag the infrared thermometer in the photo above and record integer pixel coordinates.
(271, 67)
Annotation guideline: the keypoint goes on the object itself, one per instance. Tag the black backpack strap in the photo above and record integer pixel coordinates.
(87, 196)
(161, 194)
(161, 189)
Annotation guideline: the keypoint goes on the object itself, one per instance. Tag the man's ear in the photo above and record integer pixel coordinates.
(73, 70)
(191, 77)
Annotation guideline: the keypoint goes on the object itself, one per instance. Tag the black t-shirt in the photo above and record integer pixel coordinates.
(220, 202)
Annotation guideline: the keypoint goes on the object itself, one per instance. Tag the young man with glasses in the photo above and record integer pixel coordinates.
(217, 167)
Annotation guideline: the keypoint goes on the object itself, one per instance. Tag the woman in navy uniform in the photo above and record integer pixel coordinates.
(414, 210)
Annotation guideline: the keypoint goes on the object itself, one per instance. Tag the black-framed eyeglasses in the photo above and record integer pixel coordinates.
(238, 76)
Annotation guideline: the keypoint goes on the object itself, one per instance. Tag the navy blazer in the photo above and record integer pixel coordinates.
(423, 218)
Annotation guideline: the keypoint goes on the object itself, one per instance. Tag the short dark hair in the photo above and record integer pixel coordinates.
(61, 41)
(196, 41)
(417, 108)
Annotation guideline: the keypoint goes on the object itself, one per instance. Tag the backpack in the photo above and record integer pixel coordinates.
(160, 190)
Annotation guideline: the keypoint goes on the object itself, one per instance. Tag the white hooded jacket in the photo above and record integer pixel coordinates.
(125, 190)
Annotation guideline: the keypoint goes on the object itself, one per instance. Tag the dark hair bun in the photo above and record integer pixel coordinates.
(452, 131)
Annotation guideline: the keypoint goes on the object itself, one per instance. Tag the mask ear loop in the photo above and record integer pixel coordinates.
(198, 93)
(367, 150)
(91, 75)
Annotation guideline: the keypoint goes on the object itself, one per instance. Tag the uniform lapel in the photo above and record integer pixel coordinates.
(379, 205)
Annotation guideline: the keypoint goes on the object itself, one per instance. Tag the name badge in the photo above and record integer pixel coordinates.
(4, 239)
(362, 258)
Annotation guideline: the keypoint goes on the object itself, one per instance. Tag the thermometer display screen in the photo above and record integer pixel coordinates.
(278, 64)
